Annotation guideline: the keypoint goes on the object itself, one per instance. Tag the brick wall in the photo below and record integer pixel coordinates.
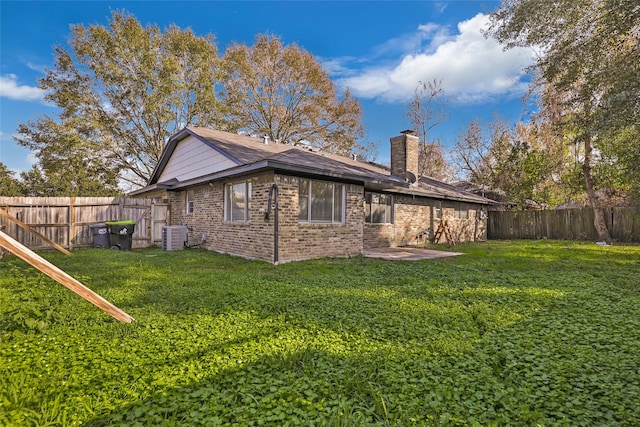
(255, 238)
(251, 239)
(413, 215)
(404, 156)
(298, 240)
(467, 230)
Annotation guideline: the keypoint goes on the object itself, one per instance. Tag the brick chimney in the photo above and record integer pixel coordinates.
(404, 156)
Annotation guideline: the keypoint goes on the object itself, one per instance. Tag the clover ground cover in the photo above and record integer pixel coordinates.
(518, 333)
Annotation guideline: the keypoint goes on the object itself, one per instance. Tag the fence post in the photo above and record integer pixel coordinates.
(72, 220)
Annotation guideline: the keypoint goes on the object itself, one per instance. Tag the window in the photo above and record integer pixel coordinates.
(320, 201)
(378, 208)
(461, 211)
(437, 211)
(190, 202)
(237, 198)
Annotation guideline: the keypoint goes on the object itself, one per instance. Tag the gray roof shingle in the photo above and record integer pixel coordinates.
(251, 154)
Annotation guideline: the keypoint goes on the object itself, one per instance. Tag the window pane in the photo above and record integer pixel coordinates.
(379, 208)
(248, 202)
(190, 201)
(303, 200)
(461, 211)
(227, 202)
(337, 202)
(321, 201)
(377, 214)
(385, 201)
(238, 202)
(437, 212)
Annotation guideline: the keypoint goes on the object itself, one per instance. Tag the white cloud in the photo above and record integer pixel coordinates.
(9, 88)
(36, 67)
(32, 159)
(472, 67)
(440, 6)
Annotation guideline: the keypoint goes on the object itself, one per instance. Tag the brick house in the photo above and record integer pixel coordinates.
(258, 199)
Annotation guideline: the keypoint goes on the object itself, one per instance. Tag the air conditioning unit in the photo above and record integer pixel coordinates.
(174, 237)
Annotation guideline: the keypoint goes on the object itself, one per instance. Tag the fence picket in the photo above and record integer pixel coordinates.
(65, 220)
(563, 224)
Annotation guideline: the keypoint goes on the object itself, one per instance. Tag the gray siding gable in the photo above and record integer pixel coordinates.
(192, 158)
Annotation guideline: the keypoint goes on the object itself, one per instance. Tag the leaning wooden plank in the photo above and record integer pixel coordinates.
(27, 255)
(26, 227)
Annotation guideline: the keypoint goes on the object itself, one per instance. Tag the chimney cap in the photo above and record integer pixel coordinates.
(408, 132)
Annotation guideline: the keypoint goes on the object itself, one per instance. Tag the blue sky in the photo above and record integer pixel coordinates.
(378, 49)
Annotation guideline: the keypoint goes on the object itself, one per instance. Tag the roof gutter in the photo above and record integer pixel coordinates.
(412, 192)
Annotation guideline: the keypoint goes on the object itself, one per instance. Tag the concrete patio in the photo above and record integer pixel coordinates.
(407, 253)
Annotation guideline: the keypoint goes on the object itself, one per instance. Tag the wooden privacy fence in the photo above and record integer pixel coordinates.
(66, 220)
(563, 224)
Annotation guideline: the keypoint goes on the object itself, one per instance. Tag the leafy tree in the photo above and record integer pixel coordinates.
(619, 168)
(78, 182)
(432, 161)
(9, 185)
(126, 89)
(79, 178)
(284, 93)
(71, 161)
(426, 112)
(589, 55)
(533, 166)
(366, 151)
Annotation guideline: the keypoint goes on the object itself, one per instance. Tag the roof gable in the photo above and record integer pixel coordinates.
(199, 155)
(191, 158)
(237, 149)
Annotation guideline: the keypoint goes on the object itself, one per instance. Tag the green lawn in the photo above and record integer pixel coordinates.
(511, 333)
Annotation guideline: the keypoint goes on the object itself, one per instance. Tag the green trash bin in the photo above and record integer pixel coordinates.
(121, 234)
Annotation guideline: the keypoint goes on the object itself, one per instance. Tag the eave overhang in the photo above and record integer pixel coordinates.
(381, 184)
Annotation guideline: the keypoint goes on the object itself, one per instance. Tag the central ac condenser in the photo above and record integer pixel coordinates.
(174, 237)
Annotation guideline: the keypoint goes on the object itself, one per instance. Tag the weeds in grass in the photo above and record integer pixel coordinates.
(512, 333)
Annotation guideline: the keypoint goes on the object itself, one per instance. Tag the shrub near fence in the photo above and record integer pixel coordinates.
(66, 220)
(563, 224)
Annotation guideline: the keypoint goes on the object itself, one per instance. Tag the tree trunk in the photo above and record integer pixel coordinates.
(598, 214)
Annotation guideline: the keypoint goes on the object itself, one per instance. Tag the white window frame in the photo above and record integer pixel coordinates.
(437, 211)
(458, 211)
(190, 202)
(228, 189)
(309, 202)
(369, 199)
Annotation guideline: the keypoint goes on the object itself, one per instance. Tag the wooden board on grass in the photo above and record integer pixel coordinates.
(30, 257)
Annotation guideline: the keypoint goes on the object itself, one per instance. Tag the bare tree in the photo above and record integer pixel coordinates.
(519, 163)
(426, 111)
(472, 155)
